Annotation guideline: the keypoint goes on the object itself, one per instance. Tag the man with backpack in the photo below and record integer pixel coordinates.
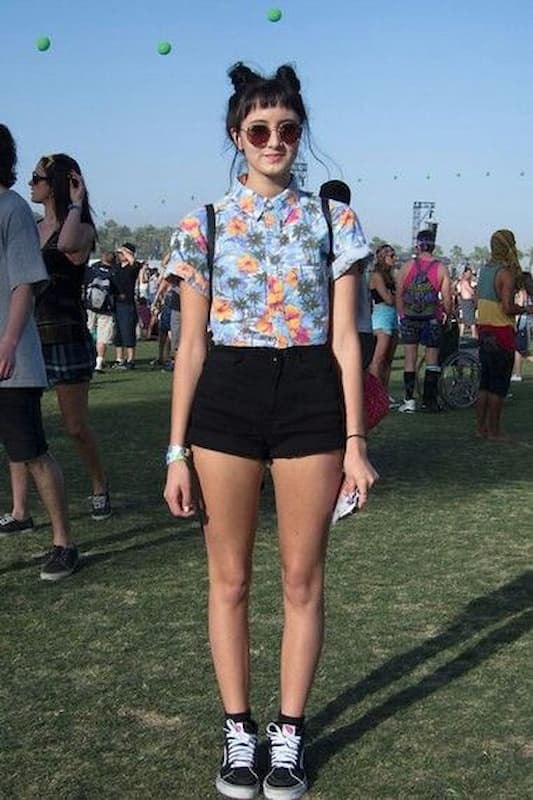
(100, 304)
(424, 296)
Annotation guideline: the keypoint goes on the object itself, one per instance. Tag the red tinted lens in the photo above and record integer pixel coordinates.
(258, 135)
(289, 132)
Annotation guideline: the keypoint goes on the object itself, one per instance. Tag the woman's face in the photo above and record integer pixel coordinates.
(269, 139)
(388, 258)
(39, 185)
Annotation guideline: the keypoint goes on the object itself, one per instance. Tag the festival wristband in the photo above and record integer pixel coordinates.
(356, 436)
(74, 205)
(176, 452)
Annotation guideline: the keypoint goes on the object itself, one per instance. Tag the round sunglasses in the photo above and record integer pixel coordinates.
(258, 134)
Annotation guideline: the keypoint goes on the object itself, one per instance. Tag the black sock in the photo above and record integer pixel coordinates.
(409, 379)
(244, 716)
(298, 722)
(431, 386)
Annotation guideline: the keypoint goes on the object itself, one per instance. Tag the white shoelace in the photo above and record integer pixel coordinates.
(241, 745)
(284, 747)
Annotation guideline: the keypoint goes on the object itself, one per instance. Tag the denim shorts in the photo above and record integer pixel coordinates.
(384, 318)
(426, 332)
(265, 403)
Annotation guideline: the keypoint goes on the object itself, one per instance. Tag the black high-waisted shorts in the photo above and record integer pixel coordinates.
(266, 403)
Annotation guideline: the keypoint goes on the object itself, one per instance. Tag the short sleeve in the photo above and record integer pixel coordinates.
(349, 241)
(25, 263)
(188, 252)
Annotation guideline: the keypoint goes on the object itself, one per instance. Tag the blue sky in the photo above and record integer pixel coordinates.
(393, 88)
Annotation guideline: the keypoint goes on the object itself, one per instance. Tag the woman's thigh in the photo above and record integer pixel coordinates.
(229, 488)
(306, 489)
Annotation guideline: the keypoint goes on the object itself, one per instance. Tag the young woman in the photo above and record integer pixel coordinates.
(67, 235)
(384, 315)
(281, 383)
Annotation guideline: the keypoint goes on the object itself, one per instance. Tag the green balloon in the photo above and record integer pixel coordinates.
(274, 14)
(43, 43)
(164, 48)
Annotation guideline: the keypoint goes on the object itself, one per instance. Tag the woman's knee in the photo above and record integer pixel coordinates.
(230, 588)
(302, 588)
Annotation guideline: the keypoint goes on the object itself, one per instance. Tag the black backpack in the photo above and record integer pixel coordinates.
(99, 290)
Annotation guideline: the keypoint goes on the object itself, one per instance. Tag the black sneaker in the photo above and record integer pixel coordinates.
(119, 365)
(9, 525)
(130, 365)
(62, 563)
(238, 776)
(100, 506)
(286, 779)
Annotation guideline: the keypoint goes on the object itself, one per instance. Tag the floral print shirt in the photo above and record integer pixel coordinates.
(270, 285)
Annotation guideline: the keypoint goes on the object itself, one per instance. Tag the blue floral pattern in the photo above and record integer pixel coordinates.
(271, 274)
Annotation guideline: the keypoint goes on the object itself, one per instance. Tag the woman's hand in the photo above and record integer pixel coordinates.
(76, 187)
(178, 490)
(358, 471)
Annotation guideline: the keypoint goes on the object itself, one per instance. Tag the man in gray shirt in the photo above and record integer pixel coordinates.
(22, 373)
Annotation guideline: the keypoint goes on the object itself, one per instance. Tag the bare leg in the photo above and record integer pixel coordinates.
(393, 343)
(48, 478)
(73, 400)
(494, 413)
(481, 413)
(306, 489)
(131, 353)
(19, 490)
(120, 354)
(230, 488)
(378, 365)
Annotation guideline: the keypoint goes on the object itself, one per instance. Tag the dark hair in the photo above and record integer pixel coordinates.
(252, 90)
(336, 190)
(425, 241)
(57, 168)
(8, 157)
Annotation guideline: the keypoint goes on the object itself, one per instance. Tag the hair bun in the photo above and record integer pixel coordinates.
(287, 75)
(242, 76)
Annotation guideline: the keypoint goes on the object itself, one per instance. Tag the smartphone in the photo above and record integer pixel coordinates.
(346, 504)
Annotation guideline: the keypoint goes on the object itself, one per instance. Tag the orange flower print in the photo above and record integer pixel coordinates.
(264, 324)
(269, 219)
(292, 278)
(222, 309)
(281, 341)
(191, 225)
(295, 215)
(248, 264)
(275, 294)
(237, 226)
(293, 317)
(247, 204)
(347, 218)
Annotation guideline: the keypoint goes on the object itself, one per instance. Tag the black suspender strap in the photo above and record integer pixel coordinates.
(327, 216)
(211, 232)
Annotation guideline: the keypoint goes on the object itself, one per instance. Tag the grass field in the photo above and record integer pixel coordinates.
(424, 689)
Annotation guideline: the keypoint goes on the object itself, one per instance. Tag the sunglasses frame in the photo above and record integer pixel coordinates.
(36, 178)
(279, 130)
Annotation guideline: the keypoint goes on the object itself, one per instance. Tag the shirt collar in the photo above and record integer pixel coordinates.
(255, 204)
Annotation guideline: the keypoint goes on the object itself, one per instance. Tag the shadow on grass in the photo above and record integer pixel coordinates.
(90, 552)
(513, 598)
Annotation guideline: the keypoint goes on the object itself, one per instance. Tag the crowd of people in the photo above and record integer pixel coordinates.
(284, 327)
